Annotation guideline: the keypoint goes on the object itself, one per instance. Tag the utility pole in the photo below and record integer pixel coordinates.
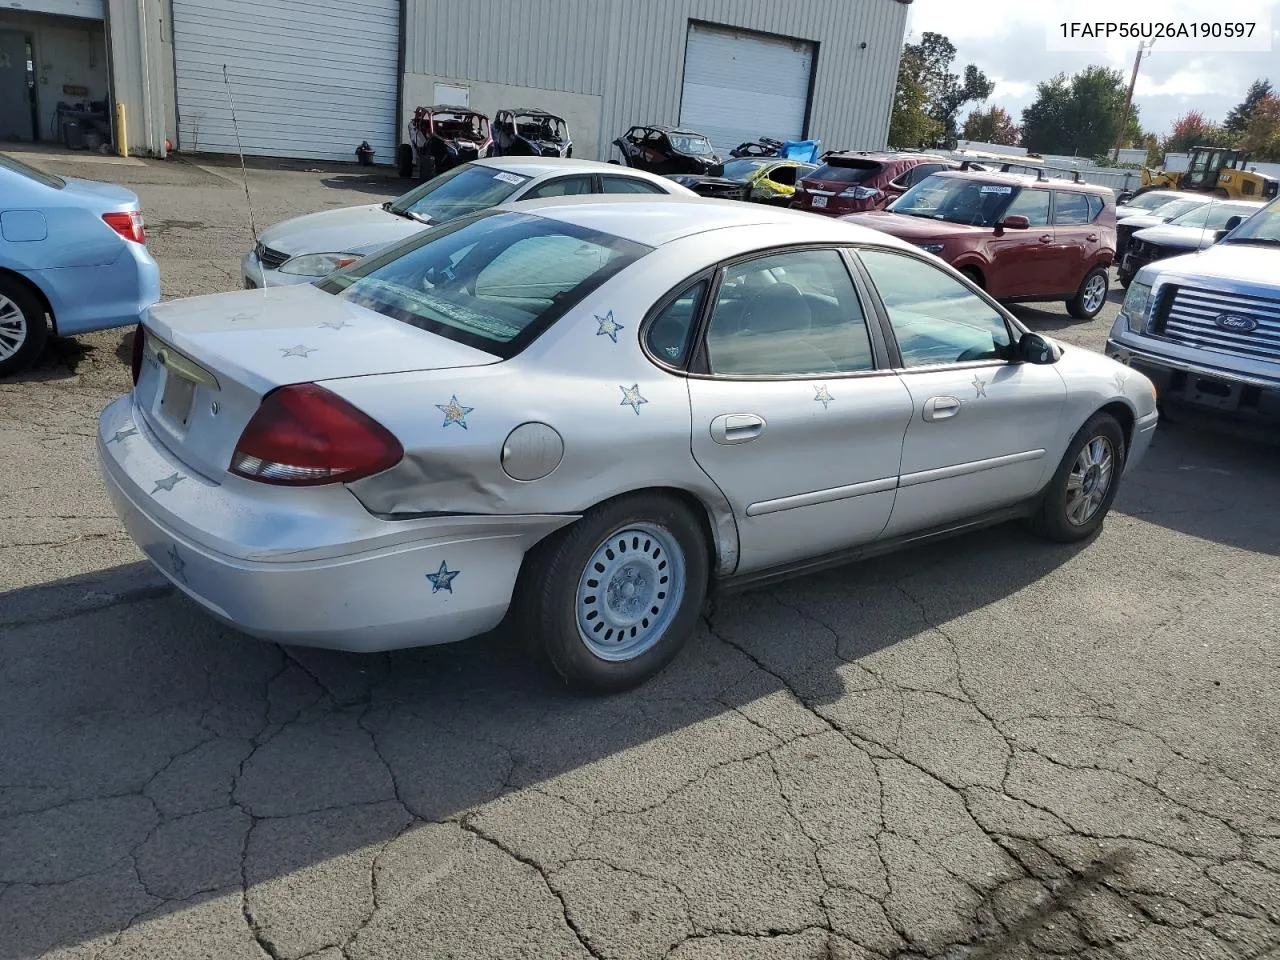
(1144, 49)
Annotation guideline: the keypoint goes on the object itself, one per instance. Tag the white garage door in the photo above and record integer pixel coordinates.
(739, 86)
(311, 78)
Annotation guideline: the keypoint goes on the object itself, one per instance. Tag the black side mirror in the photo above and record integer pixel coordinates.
(1233, 223)
(1219, 234)
(1033, 348)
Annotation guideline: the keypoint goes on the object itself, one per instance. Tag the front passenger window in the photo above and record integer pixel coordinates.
(788, 315)
(935, 318)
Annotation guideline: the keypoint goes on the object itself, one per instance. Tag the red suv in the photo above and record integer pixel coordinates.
(853, 182)
(1018, 237)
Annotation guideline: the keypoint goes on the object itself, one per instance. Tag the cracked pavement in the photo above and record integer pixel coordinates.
(990, 749)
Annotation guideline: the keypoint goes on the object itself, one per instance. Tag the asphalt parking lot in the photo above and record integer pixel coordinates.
(994, 748)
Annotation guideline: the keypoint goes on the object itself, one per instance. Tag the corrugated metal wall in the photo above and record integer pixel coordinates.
(631, 53)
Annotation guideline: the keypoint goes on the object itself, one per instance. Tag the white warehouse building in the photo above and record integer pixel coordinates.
(313, 79)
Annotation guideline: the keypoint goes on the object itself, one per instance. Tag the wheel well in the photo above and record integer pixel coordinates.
(1124, 416)
(35, 292)
(974, 274)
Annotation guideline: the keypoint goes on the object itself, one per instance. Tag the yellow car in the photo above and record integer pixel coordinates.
(769, 180)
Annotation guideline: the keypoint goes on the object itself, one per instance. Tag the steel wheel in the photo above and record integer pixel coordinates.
(630, 591)
(13, 328)
(1095, 291)
(1089, 480)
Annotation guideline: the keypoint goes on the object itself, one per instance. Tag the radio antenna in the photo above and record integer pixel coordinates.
(244, 173)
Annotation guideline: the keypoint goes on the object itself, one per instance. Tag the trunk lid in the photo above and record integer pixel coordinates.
(105, 197)
(210, 360)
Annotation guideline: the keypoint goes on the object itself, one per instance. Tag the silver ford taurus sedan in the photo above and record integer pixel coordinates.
(588, 415)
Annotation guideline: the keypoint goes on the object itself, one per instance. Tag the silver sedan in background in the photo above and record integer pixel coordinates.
(304, 249)
(587, 415)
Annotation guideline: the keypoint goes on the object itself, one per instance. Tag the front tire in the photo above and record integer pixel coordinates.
(610, 601)
(1091, 297)
(23, 329)
(1082, 490)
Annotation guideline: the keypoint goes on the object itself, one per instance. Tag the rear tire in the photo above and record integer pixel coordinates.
(1125, 278)
(404, 160)
(1082, 490)
(23, 328)
(1091, 297)
(610, 601)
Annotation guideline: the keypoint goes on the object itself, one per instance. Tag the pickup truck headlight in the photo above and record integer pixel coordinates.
(317, 264)
(1136, 309)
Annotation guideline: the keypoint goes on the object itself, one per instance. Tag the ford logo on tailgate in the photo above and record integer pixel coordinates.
(1236, 323)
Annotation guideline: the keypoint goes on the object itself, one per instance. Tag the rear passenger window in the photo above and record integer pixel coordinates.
(668, 335)
(630, 185)
(788, 315)
(1032, 204)
(1070, 209)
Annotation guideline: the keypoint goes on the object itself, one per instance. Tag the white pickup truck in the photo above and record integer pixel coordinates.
(1205, 327)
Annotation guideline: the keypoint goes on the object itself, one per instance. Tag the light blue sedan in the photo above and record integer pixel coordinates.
(73, 259)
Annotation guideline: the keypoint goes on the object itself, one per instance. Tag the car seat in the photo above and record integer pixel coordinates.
(774, 322)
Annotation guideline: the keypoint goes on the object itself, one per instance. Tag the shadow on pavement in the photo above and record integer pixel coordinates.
(153, 760)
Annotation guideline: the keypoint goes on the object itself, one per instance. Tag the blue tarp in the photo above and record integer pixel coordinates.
(806, 151)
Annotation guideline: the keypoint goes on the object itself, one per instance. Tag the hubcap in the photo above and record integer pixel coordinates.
(13, 328)
(630, 592)
(1089, 480)
(1095, 291)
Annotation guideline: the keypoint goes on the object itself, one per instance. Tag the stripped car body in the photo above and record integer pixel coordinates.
(667, 150)
(530, 132)
(442, 137)
(770, 180)
(573, 428)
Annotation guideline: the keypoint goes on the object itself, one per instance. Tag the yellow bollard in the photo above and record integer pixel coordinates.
(122, 132)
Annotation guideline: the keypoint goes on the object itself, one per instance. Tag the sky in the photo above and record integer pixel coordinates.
(1007, 40)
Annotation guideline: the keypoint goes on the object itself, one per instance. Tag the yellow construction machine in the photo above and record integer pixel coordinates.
(1217, 170)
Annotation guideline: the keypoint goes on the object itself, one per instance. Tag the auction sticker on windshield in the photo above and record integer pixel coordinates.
(996, 188)
(510, 178)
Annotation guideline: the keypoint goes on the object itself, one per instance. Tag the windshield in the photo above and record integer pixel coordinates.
(1177, 208)
(743, 170)
(1262, 228)
(540, 128)
(31, 173)
(957, 200)
(697, 146)
(1212, 216)
(458, 192)
(1148, 201)
(493, 281)
(858, 172)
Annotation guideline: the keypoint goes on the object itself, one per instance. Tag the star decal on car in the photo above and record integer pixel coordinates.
(443, 578)
(1121, 380)
(124, 433)
(176, 563)
(631, 397)
(609, 327)
(979, 386)
(823, 395)
(298, 351)
(169, 482)
(454, 412)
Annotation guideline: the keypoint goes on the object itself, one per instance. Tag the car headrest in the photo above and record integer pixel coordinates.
(777, 308)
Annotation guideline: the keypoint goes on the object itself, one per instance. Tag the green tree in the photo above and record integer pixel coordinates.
(1262, 135)
(993, 125)
(1240, 115)
(928, 95)
(1080, 115)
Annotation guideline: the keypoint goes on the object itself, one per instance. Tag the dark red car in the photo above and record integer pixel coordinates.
(1018, 237)
(853, 182)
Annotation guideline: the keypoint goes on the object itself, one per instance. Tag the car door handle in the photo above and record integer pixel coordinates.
(1047, 238)
(941, 408)
(736, 427)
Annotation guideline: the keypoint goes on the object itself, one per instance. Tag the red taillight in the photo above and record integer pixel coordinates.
(135, 360)
(303, 435)
(128, 225)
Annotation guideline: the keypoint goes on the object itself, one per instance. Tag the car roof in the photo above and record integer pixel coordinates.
(449, 108)
(1026, 180)
(537, 166)
(655, 221)
(882, 156)
(530, 112)
(665, 129)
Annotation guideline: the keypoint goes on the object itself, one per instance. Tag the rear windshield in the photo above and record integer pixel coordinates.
(31, 173)
(493, 281)
(846, 171)
(1149, 201)
(957, 200)
(461, 191)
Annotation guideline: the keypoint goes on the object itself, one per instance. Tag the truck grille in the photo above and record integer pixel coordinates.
(271, 259)
(1192, 314)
